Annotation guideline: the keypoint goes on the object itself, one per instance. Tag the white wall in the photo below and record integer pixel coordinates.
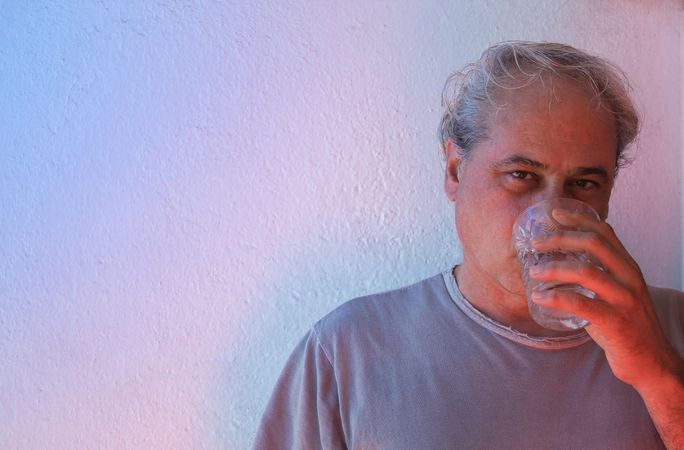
(187, 187)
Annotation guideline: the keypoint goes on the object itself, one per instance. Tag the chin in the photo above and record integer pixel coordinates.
(513, 282)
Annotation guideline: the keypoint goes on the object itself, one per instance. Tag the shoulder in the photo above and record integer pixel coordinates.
(393, 304)
(669, 306)
(667, 300)
(379, 316)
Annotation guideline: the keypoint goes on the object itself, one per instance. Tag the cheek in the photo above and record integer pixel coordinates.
(488, 223)
(485, 214)
(601, 206)
(603, 213)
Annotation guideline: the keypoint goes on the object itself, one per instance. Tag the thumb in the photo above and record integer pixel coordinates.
(596, 335)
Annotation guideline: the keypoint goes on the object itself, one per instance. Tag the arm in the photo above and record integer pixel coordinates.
(664, 399)
(304, 409)
(622, 319)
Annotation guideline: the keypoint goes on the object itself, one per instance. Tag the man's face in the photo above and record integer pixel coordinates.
(541, 145)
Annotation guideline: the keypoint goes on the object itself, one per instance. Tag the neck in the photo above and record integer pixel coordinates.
(499, 302)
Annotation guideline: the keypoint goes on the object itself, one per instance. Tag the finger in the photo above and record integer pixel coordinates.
(563, 215)
(589, 277)
(596, 334)
(589, 242)
(593, 310)
(584, 222)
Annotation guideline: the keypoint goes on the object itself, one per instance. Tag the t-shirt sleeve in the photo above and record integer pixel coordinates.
(304, 410)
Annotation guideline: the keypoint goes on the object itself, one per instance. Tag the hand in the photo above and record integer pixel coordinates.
(622, 318)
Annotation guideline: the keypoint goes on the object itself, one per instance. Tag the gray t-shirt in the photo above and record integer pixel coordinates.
(420, 368)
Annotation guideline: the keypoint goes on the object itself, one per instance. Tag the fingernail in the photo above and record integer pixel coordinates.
(539, 297)
(535, 270)
(538, 241)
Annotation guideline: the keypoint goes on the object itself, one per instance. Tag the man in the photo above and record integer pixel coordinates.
(456, 361)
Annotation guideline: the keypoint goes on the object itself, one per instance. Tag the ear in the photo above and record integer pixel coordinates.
(454, 166)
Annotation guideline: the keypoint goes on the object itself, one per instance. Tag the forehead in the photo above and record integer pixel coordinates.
(543, 96)
(553, 119)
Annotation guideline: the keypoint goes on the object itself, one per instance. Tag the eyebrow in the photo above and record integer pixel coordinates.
(518, 160)
(583, 171)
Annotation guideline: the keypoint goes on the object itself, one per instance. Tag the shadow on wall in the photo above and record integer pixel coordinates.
(298, 290)
(301, 285)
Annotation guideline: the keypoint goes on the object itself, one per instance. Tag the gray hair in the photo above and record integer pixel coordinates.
(468, 95)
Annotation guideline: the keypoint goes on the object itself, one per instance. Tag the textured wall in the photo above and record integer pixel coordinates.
(187, 187)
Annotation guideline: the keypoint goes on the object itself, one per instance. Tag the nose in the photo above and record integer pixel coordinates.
(553, 189)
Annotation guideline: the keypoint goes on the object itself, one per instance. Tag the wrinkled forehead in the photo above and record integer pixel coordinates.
(562, 115)
(516, 93)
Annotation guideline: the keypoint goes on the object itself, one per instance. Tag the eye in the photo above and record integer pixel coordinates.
(520, 180)
(586, 185)
(522, 175)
